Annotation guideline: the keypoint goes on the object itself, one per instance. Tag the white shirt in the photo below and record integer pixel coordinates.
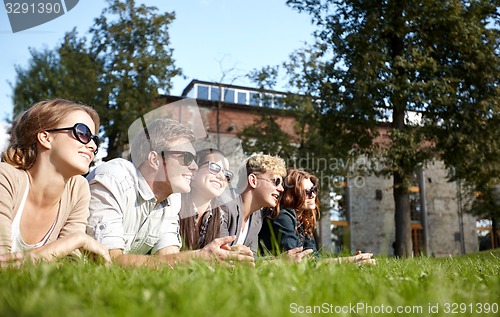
(124, 213)
(18, 243)
(243, 233)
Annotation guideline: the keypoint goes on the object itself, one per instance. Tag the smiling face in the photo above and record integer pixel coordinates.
(266, 189)
(205, 182)
(70, 156)
(179, 175)
(310, 194)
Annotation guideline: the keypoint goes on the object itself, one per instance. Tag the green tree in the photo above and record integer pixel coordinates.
(487, 205)
(133, 44)
(119, 71)
(266, 136)
(307, 150)
(59, 73)
(394, 60)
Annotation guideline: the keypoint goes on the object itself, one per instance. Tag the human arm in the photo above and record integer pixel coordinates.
(215, 250)
(57, 249)
(359, 258)
(12, 188)
(66, 245)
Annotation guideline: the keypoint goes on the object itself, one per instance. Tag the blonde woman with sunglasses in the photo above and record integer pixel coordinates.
(44, 200)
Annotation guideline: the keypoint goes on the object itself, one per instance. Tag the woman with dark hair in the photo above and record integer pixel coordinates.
(295, 224)
(201, 213)
(44, 200)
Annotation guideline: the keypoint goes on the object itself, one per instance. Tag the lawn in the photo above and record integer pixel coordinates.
(455, 286)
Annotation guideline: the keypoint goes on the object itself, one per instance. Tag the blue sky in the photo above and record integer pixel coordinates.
(209, 37)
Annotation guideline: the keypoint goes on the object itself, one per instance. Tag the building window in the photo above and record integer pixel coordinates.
(214, 93)
(254, 99)
(202, 92)
(229, 95)
(340, 236)
(485, 234)
(278, 101)
(267, 101)
(417, 232)
(339, 225)
(415, 207)
(242, 97)
(417, 237)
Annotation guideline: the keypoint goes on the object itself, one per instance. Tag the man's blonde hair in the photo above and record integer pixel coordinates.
(157, 136)
(263, 163)
(259, 164)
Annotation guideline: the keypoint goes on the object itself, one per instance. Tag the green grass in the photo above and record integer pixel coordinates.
(270, 289)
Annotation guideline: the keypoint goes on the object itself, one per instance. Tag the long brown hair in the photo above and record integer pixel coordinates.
(189, 231)
(44, 115)
(294, 196)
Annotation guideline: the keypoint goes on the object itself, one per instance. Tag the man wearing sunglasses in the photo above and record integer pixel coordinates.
(260, 184)
(134, 207)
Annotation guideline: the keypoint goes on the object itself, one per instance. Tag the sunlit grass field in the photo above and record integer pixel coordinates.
(455, 286)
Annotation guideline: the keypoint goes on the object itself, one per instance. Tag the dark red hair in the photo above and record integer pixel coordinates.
(294, 196)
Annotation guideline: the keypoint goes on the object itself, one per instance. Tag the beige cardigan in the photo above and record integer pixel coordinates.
(73, 212)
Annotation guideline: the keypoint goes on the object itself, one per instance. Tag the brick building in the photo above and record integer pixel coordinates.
(360, 211)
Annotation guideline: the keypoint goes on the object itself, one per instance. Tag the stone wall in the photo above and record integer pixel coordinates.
(372, 220)
(443, 210)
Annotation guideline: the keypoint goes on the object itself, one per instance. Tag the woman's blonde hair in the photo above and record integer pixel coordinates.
(44, 115)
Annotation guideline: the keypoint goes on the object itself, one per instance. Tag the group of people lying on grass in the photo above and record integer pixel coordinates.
(170, 204)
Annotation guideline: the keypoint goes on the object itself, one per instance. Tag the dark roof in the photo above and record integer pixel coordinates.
(209, 83)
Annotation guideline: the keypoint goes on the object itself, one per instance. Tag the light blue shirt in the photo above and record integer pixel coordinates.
(124, 213)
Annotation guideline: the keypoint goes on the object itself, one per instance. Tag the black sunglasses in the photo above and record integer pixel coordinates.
(187, 157)
(82, 133)
(215, 169)
(311, 191)
(276, 182)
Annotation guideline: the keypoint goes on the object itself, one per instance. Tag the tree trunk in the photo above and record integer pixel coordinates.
(403, 244)
(494, 227)
(402, 215)
(113, 151)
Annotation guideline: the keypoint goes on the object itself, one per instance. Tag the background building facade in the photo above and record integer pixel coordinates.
(358, 212)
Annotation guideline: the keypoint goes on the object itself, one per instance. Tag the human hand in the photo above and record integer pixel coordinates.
(363, 258)
(12, 259)
(297, 254)
(220, 250)
(241, 249)
(91, 245)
